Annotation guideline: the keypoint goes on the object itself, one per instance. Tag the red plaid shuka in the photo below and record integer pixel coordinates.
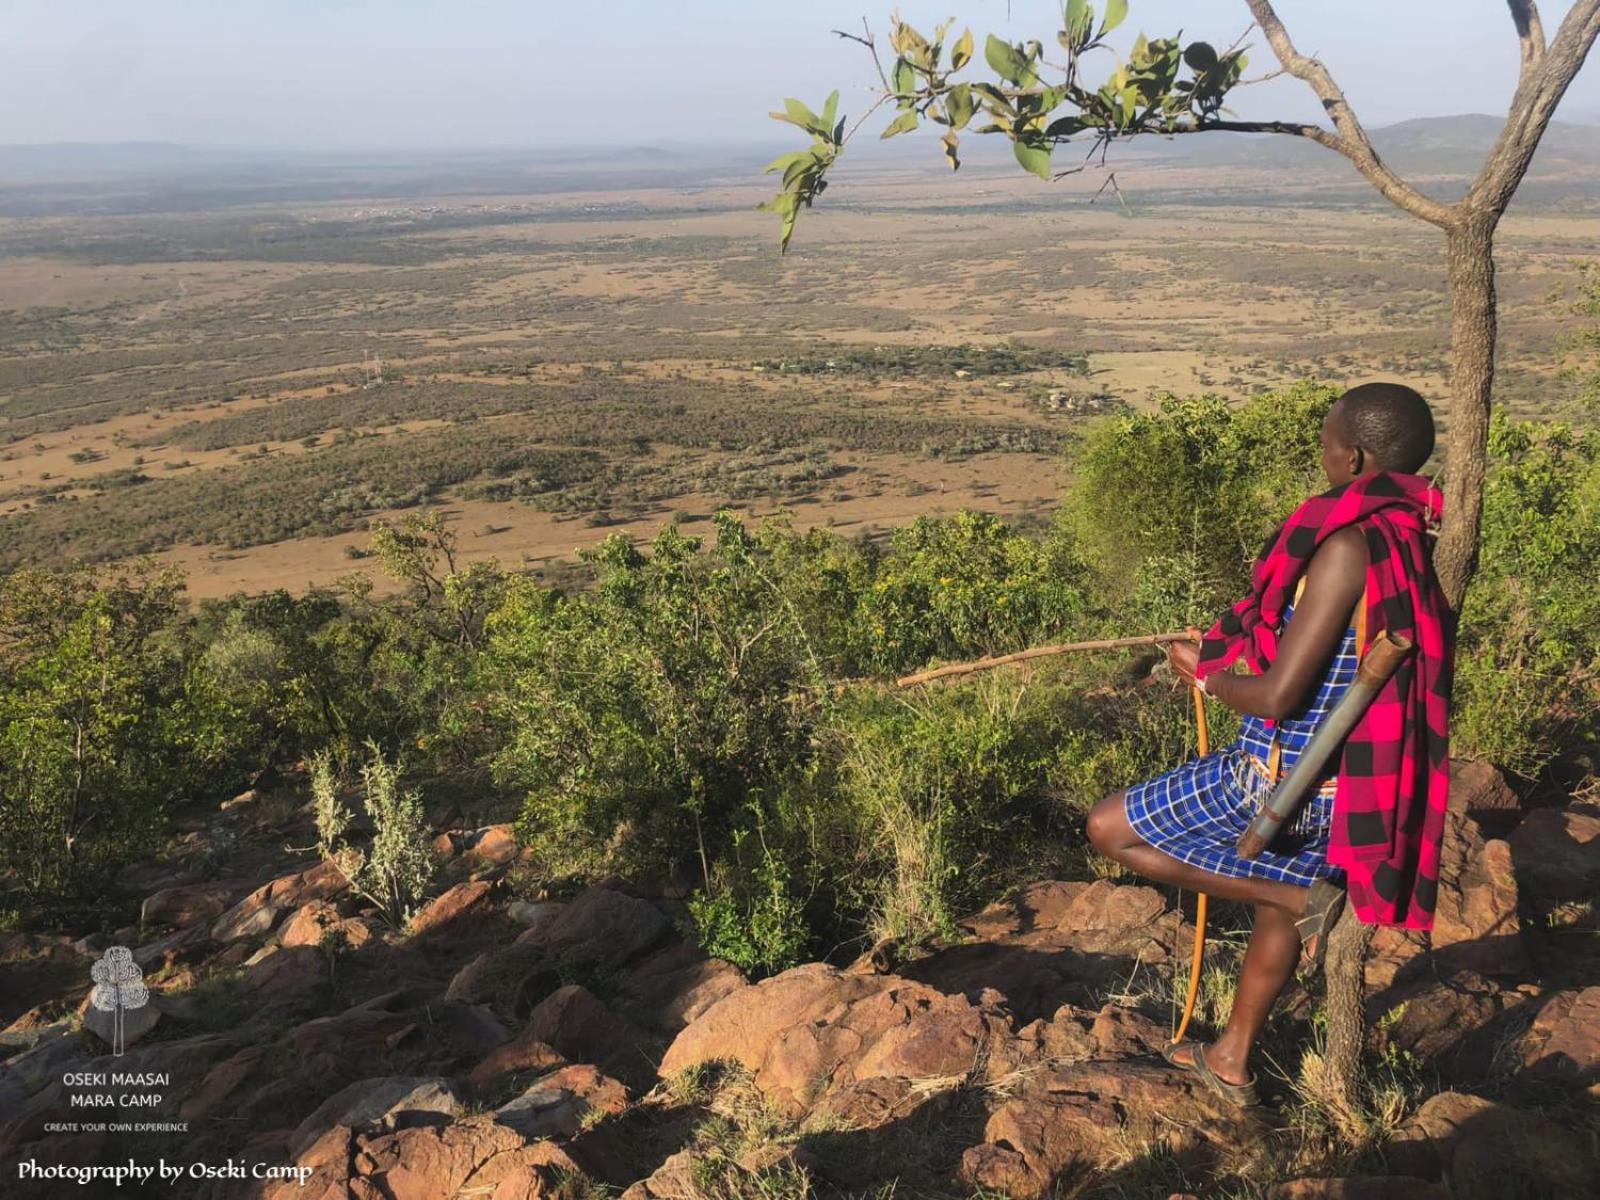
(1388, 818)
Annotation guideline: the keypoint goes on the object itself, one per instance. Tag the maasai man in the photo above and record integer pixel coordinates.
(1373, 828)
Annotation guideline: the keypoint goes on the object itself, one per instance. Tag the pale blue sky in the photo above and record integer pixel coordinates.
(370, 73)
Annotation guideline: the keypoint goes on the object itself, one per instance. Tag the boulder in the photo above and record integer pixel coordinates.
(312, 923)
(1478, 791)
(393, 1100)
(1476, 925)
(259, 911)
(1556, 854)
(495, 844)
(601, 927)
(534, 914)
(1054, 943)
(1490, 1151)
(582, 1029)
(815, 1028)
(505, 1064)
(563, 1102)
(186, 905)
(1564, 1041)
(670, 989)
(1054, 1125)
(452, 905)
(1360, 1187)
(337, 1048)
(286, 982)
(478, 1157)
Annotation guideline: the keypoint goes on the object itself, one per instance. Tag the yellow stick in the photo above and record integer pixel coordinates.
(1001, 660)
(1203, 736)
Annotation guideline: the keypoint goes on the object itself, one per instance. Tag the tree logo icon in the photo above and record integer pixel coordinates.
(118, 986)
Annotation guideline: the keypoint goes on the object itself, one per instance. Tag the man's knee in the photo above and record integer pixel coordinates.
(1107, 824)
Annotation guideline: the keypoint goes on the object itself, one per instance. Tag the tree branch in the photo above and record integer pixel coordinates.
(1538, 92)
(1352, 141)
(1530, 32)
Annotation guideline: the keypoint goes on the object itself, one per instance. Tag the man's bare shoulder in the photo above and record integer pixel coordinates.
(1340, 563)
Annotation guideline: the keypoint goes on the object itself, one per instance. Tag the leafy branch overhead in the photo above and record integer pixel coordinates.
(1038, 100)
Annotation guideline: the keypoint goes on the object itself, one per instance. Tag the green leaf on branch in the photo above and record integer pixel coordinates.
(904, 123)
(1008, 62)
(1116, 13)
(1065, 127)
(1033, 157)
(1079, 21)
(903, 79)
(958, 104)
(951, 144)
(961, 52)
(800, 115)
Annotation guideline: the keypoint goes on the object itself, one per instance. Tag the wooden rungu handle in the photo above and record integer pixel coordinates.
(1382, 658)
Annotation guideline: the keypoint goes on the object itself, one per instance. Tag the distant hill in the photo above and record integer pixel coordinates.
(1424, 146)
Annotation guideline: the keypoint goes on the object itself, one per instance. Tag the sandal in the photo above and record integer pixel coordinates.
(1239, 1095)
(1324, 906)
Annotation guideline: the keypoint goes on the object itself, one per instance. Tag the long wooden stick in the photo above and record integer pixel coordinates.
(1001, 660)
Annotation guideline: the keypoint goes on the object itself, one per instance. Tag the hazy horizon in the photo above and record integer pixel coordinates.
(492, 75)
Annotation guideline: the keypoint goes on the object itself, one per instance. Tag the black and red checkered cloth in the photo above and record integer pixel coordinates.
(1389, 813)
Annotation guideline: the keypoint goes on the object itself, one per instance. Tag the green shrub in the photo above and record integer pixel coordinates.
(1528, 661)
(1171, 507)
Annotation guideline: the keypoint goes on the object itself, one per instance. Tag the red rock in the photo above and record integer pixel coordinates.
(287, 982)
(187, 905)
(582, 1029)
(1480, 792)
(444, 846)
(815, 1028)
(1360, 1187)
(454, 904)
(600, 927)
(563, 1102)
(504, 1065)
(1556, 854)
(496, 844)
(1476, 925)
(1482, 1147)
(478, 1156)
(672, 988)
(385, 1100)
(1564, 1042)
(258, 912)
(319, 920)
(1054, 943)
(1055, 1125)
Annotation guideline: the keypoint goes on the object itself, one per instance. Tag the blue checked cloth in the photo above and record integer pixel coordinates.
(1196, 812)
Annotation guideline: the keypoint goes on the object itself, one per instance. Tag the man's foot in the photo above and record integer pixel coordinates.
(1230, 1084)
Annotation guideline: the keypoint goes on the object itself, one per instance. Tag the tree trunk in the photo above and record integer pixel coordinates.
(1470, 248)
(1345, 977)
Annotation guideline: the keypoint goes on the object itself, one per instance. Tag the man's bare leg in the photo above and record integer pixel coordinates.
(1274, 948)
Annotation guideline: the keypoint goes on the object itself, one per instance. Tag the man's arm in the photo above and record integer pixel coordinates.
(1335, 577)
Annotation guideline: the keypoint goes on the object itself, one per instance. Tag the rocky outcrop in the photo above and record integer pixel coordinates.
(1563, 1043)
(815, 1029)
(1056, 1124)
(453, 905)
(1054, 943)
(1556, 854)
(1491, 1151)
(392, 1101)
(186, 905)
(563, 1102)
(258, 912)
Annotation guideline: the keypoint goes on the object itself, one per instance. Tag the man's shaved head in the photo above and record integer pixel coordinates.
(1389, 422)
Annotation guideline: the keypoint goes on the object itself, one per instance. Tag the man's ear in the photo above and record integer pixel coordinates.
(1359, 464)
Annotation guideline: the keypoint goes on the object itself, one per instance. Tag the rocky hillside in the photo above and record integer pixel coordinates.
(511, 1045)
